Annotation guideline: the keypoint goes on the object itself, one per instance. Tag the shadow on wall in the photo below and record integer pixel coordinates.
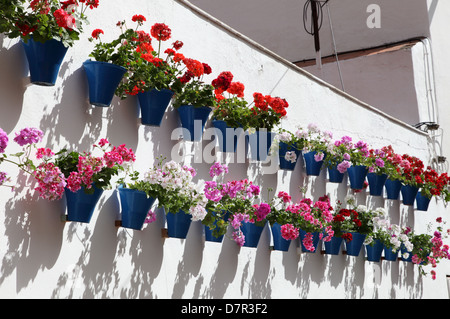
(14, 71)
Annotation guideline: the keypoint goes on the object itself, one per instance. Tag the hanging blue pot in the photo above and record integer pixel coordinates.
(252, 233)
(153, 105)
(44, 60)
(135, 206)
(376, 183)
(334, 176)
(353, 246)
(260, 142)
(209, 233)
(422, 202)
(178, 224)
(80, 205)
(392, 188)
(312, 166)
(375, 250)
(315, 241)
(389, 254)
(103, 79)
(282, 149)
(279, 243)
(333, 247)
(228, 136)
(403, 250)
(357, 175)
(193, 119)
(409, 194)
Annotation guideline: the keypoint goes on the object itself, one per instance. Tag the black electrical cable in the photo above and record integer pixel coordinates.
(319, 13)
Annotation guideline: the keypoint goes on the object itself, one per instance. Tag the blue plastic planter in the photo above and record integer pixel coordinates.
(178, 224)
(259, 143)
(404, 250)
(422, 202)
(389, 254)
(315, 241)
(357, 175)
(193, 119)
(80, 205)
(312, 167)
(153, 105)
(334, 176)
(135, 206)
(376, 183)
(353, 246)
(392, 188)
(44, 60)
(374, 251)
(409, 194)
(279, 243)
(209, 233)
(284, 164)
(252, 233)
(228, 136)
(333, 247)
(103, 79)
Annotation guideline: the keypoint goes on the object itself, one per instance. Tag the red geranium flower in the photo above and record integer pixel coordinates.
(138, 18)
(196, 67)
(96, 33)
(161, 31)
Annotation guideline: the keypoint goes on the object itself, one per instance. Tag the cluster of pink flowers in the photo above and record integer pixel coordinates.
(236, 221)
(51, 181)
(218, 169)
(3, 141)
(289, 232)
(28, 135)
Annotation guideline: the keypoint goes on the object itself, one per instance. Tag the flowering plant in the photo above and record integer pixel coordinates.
(411, 170)
(231, 203)
(178, 192)
(231, 106)
(315, 140)
(121, 51)
(267, 112)
(434, 183)
(84, 170)
(46, 19)
(51, 181)
(357, 219)
(313, 217)
(148, 70)
(344, 153)
(292, 140)
(194, 91)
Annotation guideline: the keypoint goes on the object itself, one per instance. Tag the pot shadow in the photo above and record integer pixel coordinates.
(12, 78)
(190, 264)
(33, 235)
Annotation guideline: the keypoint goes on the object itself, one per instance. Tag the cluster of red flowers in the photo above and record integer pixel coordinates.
(96, 33)
(263, 102)
(436, 181)
(222, 82)
(161, 32)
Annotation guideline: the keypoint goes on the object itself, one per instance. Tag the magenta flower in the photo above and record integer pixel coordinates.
(28, 135)
(3, 140)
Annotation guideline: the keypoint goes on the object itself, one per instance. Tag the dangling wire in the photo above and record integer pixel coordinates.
(310, 30)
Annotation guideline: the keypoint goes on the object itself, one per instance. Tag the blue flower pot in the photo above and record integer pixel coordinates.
(409, 194)
(103, 79)
(312, 167)
(333, 247)
(153, 105)
(279, 243)
(284, 164)
(357, 175)
(315, 241)
(228, 136)
(80, 205)
(422, 202)
(389, 254)
(135, 206)
(374, 251)
(260, 143)
(178, 224)
(209, 233)
(353, 246)
(44, 60)
(376, 183)
(193, 119)
(392, 188)
(334, 176)
(252, 233)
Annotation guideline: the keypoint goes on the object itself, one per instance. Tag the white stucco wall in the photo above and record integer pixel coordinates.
(43, 257)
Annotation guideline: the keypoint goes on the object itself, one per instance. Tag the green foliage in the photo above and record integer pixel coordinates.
(233, 111)
(195, 93)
